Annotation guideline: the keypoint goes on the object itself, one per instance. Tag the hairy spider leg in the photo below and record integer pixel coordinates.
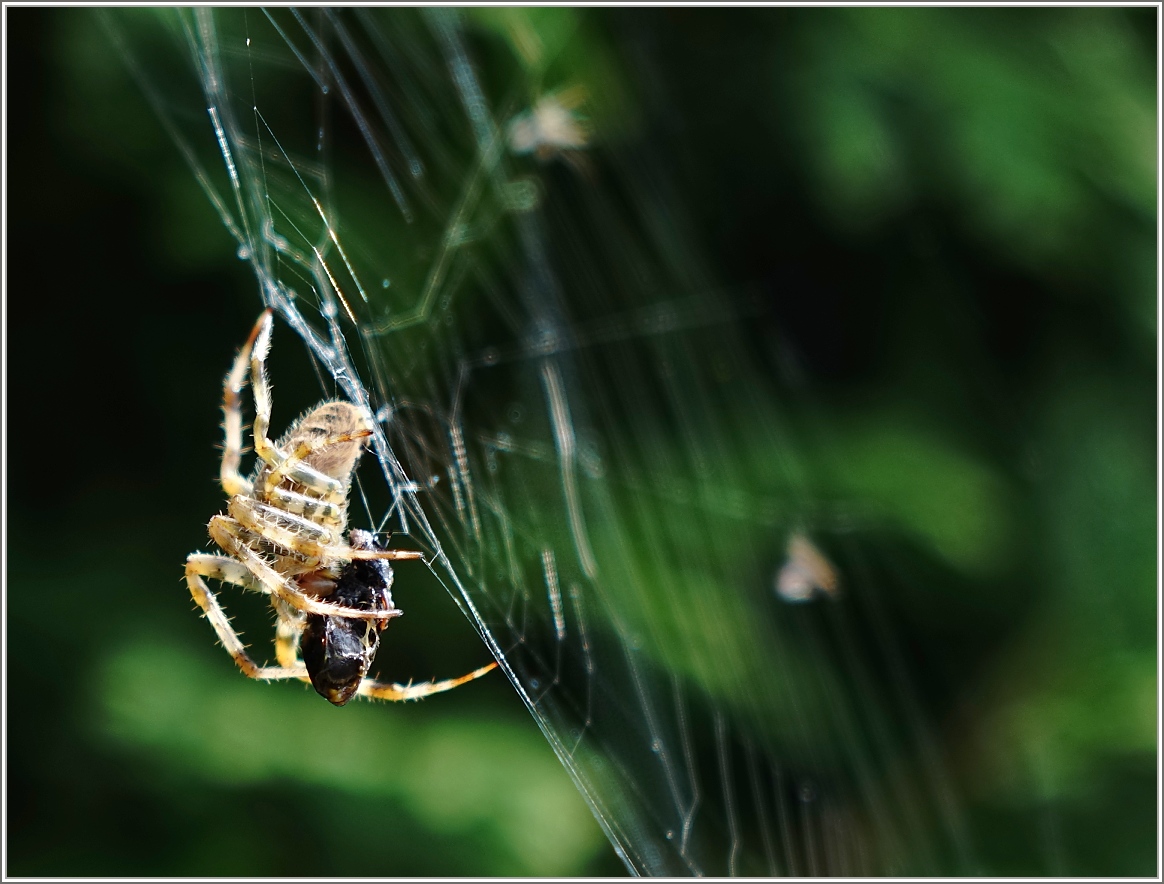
(391, 554)
(265, 449)
(233, 482)
(303, 537)
(254, 353)
(199, 565)
(230, 535)
(314, 509)
(261, 390)
(293, 532)
(288, 628)
(398, 692)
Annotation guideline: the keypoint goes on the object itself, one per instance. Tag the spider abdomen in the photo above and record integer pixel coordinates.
(301, 499)
(330, 420)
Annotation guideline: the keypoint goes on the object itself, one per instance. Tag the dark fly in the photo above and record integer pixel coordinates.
(338, 651)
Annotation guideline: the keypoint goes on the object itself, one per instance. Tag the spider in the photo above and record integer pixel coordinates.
(283, 536)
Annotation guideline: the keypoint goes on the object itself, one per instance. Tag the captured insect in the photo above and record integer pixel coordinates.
(806, 572)
(552, 127)
(283, 535)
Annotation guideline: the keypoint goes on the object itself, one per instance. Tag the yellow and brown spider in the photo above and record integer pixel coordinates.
(283, 536)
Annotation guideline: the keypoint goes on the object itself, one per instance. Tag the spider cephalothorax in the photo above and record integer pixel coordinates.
(283, 535)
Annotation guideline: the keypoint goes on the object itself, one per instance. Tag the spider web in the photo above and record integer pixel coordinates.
(574, 421)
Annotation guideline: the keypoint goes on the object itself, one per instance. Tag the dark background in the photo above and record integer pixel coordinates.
(952, 210)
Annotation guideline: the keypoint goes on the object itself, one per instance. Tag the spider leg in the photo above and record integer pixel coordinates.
(345, 553)
(254, 351)
(293, 533)
(398, 692)
(265, 449)
(228, 534)
(288, 629)
(348, 553)
(261, 388)
(233, 482)
(314, 509)
(199, 565)
(302, 535)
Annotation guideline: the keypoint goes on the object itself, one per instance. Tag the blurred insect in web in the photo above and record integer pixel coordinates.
(553, 128)
(283, 536)
(806, 573)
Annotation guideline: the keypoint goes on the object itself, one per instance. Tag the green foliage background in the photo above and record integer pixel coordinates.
(951, 217)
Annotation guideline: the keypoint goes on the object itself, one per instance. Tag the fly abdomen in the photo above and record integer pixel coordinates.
(338, 651)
